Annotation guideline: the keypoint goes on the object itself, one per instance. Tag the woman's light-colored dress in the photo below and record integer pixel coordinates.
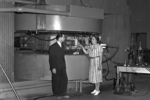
(95, 53)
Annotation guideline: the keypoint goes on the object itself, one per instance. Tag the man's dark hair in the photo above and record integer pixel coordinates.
(59, 35)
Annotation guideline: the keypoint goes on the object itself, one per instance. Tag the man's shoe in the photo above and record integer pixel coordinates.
(66, 96)
(58, 97)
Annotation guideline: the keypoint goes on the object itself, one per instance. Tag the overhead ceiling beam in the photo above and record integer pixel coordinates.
(34, 11)
(71, 10)
(20, 1)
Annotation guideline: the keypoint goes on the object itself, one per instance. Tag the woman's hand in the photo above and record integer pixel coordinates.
(84, 50)
(80, 46)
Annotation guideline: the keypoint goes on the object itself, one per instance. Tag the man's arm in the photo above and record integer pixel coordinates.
(52, 60)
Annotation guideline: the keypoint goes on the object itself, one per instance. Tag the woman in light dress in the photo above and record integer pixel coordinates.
(95, 53)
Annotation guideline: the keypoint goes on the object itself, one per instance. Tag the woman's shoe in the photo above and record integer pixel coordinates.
(93, 92)
(97, 92)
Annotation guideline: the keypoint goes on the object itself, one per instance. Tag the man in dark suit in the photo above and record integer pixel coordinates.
(58, 68)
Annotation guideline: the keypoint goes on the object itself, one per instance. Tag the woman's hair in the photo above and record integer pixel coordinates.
(97, 39)
(59, 35)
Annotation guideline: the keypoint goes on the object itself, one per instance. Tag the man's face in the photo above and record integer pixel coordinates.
(63, 38)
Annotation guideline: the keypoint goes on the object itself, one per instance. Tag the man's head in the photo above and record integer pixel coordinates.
(60, 37)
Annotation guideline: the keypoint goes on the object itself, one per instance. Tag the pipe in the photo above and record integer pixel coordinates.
(10, 83)
(35, 11)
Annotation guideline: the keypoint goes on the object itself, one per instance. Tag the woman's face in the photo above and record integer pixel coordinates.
(94, 40)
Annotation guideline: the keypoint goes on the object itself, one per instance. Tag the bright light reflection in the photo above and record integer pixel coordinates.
(57, 25)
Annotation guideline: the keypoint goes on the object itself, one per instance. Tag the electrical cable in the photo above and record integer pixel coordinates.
(110, 59)
(41, 38)
(107, 73)
(81, 2)
(148, 90)
(49, 40)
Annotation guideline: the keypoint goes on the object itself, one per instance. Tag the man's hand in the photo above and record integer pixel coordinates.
(54, 71)
(99, 68)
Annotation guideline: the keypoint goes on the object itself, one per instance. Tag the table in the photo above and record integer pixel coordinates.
(131, 69)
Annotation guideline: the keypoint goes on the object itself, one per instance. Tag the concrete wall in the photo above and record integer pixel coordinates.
(140, 17)
(6, 42)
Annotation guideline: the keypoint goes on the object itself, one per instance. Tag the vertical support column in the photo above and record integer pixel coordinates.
(80, 85)
(118, 76)
(6, 42)
(76, 87)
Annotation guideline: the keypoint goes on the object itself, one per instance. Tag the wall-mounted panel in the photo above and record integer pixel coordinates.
(29, 66)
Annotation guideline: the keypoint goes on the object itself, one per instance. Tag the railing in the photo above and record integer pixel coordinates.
(16, 94)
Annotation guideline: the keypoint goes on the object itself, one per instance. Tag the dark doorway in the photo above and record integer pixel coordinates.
(141, 38)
